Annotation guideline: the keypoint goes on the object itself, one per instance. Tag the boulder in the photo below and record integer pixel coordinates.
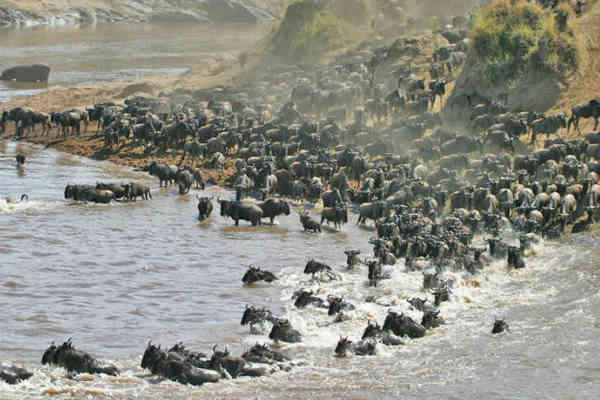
(26, 73)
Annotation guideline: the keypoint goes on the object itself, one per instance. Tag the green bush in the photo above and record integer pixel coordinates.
(511, 39)
(307, 30)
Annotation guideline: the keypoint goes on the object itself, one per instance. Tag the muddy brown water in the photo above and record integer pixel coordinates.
(115, 276)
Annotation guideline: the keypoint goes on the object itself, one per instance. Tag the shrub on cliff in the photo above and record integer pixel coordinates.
(511, 39)
(312, 27)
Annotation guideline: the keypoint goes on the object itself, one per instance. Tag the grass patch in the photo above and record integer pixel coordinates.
(308, 30)
(512, 39)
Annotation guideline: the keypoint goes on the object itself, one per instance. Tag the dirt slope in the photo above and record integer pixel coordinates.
(585, 84)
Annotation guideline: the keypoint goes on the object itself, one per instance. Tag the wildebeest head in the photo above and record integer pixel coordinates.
(372, 330)
(500, 326)
(253, 274)
(152, 356)
(352, 257)
(403, 325)
(254, 315)
(284, 207)
(304, 218)
(68, 191)
(219, 355)
(417, 303)
(431, 319)
(335, 305)
(49, 355)
(282, 330)
(343, 347)
(225, 207)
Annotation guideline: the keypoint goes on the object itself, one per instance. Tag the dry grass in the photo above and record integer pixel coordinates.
(584, 85)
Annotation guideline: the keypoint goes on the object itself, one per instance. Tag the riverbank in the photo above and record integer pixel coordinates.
(90, 145)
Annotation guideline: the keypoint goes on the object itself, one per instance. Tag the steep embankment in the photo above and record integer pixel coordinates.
(585, 83)
(61, 12)
(311, 29)
(521, 53)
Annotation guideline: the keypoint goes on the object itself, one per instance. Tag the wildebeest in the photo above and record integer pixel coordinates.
(179, 365)
(12, 374)
(134, 189)
(254, 274)
(205, 207)
(338, 215)
(361, 348)
(256, 316)
(313, 267)
(403, 325)
(272, 208)
(74, 360)
(309, 224)
(500, 326)
(241, 210)
(548, 125)
(591, 109)
(283, 331)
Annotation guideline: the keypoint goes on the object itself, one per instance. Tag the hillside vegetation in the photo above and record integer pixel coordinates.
(311, 28)
(521, 50)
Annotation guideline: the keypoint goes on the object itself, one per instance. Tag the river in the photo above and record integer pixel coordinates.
(115, 276)
(99, 53)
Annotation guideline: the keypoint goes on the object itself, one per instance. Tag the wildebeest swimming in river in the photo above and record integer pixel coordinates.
(283, 331)
(74, 360)
(254, 274)
(12, 374)
(500, 326)
(20, 160)
(257, 316)
(346, 347)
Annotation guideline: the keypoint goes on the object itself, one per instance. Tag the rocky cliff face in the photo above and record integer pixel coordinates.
(73, 12)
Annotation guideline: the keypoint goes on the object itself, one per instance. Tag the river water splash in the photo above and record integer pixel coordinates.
(115, 276)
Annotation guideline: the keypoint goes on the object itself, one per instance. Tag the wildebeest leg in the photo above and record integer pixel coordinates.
(595, 122)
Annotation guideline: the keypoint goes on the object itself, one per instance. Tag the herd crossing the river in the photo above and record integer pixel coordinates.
(367, 143)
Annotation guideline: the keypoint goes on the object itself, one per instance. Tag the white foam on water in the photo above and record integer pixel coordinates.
(11, 207)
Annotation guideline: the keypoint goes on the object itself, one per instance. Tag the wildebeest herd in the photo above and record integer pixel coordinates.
(361, 134)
